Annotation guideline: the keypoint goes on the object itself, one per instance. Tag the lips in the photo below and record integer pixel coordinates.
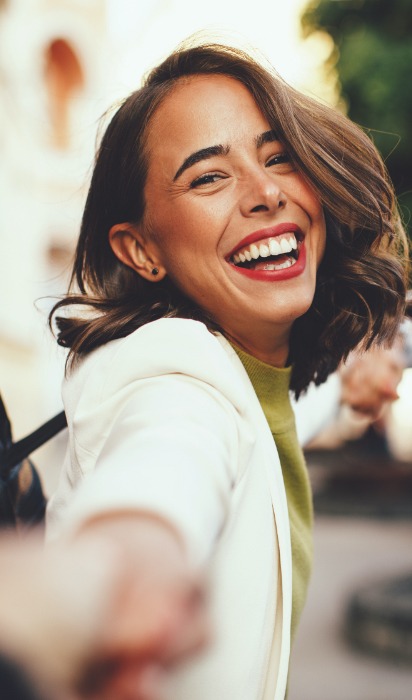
(273, 253)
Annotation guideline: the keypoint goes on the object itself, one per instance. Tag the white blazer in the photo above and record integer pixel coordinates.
(167, 420)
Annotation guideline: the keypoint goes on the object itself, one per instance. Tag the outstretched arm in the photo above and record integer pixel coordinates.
(106, 615)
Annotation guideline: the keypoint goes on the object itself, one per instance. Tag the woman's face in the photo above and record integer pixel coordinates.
(235, 226)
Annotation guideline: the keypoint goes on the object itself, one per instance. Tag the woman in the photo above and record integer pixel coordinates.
(238, 238)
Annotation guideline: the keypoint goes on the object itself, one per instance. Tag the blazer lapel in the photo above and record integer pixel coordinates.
(279, 503)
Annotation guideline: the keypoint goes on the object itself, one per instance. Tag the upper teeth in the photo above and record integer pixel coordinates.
(272, 246)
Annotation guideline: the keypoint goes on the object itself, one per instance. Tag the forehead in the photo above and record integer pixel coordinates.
(201, 111)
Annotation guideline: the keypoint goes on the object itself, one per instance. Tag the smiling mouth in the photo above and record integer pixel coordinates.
(273, 253)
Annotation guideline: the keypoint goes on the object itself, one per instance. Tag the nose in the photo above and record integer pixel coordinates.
(261, 193)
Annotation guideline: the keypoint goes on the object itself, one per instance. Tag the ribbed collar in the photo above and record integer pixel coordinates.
(271, 385)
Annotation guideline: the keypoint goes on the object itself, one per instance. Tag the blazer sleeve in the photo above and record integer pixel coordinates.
(170, 447)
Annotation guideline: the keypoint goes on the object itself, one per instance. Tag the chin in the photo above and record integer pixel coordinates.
(303, 299)
(287, 312)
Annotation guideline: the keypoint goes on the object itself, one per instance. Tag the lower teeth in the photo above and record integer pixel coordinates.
(281, 266)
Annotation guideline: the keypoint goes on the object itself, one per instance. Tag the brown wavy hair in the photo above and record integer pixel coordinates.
(360, 291)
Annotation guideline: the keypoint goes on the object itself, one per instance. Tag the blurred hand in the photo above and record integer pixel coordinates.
(105, 616)
(370, 379)
(156, 616)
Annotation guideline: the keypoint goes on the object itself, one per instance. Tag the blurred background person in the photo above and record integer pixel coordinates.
(358, 395)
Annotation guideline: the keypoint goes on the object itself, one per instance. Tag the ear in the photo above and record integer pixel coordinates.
(132, 249)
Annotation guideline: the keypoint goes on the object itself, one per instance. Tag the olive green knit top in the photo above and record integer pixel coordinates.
(271, 385)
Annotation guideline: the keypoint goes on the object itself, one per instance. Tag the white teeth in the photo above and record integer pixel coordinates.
(275, 248)
(287, 263)
(254, 251)
(279, 266)
(285, 246)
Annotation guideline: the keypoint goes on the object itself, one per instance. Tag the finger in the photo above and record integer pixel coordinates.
(136, 682)
(191, 632)
(126, 681)
(152, 628)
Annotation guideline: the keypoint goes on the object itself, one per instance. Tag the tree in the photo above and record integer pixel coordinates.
(373, 58)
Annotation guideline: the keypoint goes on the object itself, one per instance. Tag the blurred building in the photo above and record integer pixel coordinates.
(52, 65)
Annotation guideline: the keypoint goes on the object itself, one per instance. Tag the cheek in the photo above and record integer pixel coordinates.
(322, 234)
(186, 230)
(321, 250)
(312, 205)
(170, 223)
(314, 210)
(319, 241)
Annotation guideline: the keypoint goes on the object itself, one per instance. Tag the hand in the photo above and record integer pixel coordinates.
(370, 379)
(104, 616)
(156, 616)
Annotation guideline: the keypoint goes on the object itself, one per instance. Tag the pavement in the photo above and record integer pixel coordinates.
(350, 553)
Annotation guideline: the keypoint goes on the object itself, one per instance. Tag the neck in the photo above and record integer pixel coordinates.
(273, 351)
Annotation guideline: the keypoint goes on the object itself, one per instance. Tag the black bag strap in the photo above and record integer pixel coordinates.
(5, 428)
(12, 453)
(23, 448)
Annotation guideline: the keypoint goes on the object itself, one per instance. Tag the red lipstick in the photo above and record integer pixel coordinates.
(272, 275)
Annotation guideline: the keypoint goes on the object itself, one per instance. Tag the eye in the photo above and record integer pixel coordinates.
(206, 179)
(278, 159)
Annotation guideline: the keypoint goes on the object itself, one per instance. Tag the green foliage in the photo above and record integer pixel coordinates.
(373, 57)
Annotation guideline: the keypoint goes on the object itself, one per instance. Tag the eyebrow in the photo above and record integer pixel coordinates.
(266, 137)
(203, 154)
(220, 150)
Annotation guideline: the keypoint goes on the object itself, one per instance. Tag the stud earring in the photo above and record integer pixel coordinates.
(155, 271)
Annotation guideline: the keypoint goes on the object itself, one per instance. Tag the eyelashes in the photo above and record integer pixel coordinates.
(206, 179)
(278, 159)
(212, 177)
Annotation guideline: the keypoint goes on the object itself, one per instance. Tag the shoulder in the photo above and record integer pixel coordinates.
(168, 345)
(163, 347)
